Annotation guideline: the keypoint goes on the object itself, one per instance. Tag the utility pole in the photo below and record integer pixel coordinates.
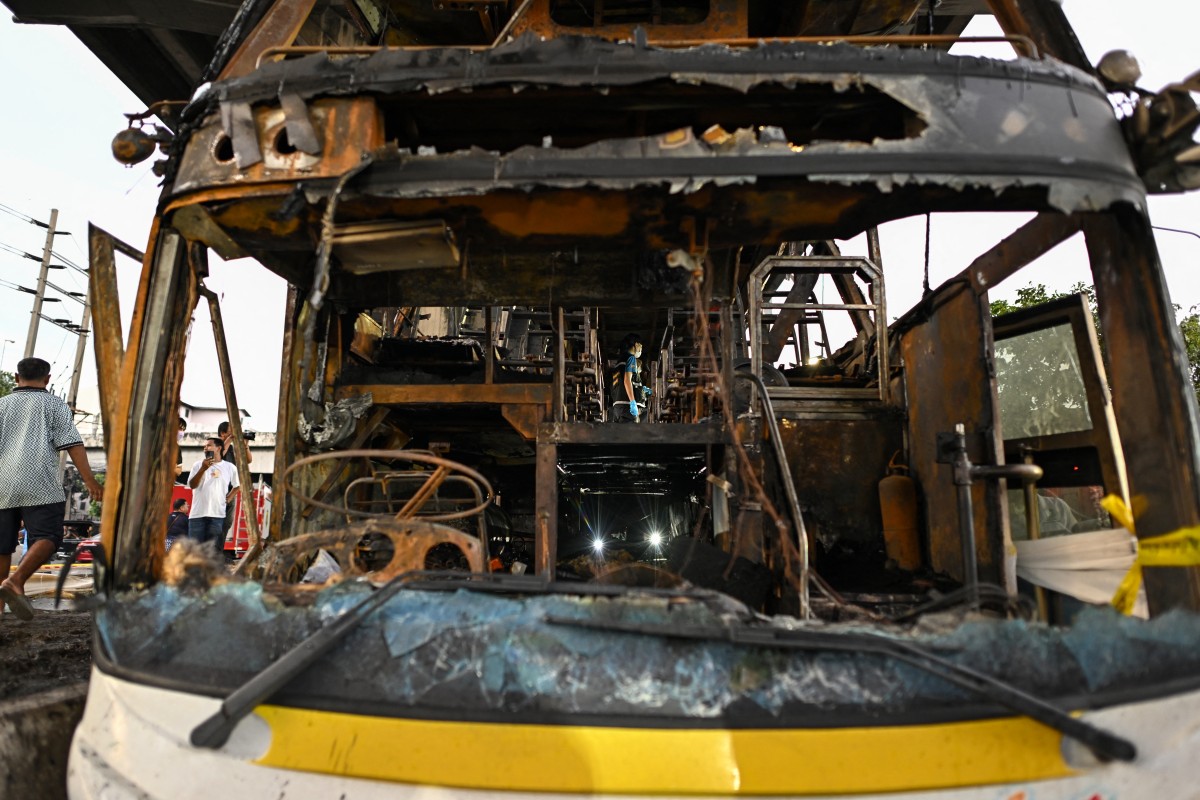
(73, 392)
(80, 347)
(36, 315)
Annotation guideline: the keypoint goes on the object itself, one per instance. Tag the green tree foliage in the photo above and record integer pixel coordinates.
(1034, 295)
(7, 383)
(93, 506)
(1189, 327)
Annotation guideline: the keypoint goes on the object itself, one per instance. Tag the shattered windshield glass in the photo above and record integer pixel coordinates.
(452, 652)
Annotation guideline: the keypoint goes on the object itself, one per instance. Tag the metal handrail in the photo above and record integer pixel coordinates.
(789, 488)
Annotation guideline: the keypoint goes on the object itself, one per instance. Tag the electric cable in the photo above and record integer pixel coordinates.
(23, 216)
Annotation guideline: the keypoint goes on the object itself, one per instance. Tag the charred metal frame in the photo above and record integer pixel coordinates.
(870, 313)
(990, 131)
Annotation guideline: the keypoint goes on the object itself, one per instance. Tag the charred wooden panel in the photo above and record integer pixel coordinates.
(949, 379)
(109, 343)
(144, 433)
(837, 465)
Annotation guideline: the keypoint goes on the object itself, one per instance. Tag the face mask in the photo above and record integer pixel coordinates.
(637, 351)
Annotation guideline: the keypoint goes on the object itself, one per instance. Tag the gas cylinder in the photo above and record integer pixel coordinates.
(898, 503)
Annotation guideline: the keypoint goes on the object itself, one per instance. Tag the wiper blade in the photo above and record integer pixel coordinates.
(1104, 745)
(215, 730)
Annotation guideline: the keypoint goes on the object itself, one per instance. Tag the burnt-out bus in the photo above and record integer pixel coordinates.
(842, 549)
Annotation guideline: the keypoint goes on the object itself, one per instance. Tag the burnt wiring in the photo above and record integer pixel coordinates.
(989, 596)
(794, 561)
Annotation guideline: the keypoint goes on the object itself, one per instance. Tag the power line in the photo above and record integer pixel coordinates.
(22, 253)
(22, 216)
(1175, 230)
(65, 324)
(69, 262)
(26, 290)
(25, 254)
(63, 258)
(78, 297)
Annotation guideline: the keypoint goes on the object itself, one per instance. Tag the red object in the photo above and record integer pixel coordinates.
(237, 541)
(180, 491)
(82, 553)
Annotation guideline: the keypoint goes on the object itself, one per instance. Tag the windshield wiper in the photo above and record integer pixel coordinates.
(215, 730)
(1104, 745)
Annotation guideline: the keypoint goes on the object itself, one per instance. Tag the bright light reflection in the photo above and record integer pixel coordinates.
(598, 545)
(655, 538)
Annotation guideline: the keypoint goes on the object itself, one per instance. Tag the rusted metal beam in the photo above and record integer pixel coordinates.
(1042, 22)
(879, 295)
(235, 419)
(545, 538)
(1152, 395)
(105, 301)
(524, 417)
(489, 346)
(782, 326)
(494, 394)
(139, 474)
(560, 365)
(1020, 248)
(286, 419)
(666, 433)
(277, 28)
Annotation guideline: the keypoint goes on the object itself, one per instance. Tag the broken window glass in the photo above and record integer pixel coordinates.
(1040, 384)
(485, 654)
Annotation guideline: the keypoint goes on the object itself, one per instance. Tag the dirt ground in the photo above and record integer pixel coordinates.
(52, 650)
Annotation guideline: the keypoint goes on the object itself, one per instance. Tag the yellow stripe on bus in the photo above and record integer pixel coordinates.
(680, 761)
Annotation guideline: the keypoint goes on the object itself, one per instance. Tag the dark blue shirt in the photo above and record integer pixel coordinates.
(177, 525)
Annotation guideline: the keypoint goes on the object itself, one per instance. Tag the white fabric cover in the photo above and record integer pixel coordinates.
(1086, 566)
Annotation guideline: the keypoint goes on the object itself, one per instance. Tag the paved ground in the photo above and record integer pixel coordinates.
(51, 651)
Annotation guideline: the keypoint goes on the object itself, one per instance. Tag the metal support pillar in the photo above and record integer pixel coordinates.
(965, 474)
(235, 426)
(1152, 395)
(546, 512)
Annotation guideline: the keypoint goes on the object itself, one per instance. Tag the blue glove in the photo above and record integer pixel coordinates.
(633, 409)
(646, 391)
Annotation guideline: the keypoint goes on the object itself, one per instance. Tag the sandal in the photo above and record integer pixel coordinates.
(17, 603)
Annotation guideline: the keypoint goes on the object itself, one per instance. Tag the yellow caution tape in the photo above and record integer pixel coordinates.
(1179, 548)
(1120, 512)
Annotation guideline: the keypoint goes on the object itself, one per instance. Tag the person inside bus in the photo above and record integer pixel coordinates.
(627, 387)
(214, 483)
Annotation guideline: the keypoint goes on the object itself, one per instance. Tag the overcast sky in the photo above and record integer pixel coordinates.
(62, 107)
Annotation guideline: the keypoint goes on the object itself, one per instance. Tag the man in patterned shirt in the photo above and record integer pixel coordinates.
(34, 426)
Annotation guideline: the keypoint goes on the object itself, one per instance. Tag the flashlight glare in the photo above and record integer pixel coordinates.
(655, 539)
(598, 545)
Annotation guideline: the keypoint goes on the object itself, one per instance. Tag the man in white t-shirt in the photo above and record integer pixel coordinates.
(213, 483)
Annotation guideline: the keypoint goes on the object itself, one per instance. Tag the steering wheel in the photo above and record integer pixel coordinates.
(443, 468)
(412, 542)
